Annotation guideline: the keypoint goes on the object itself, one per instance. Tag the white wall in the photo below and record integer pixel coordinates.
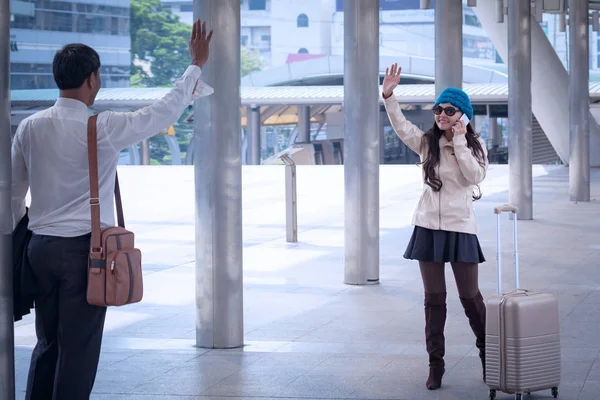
(279, 21)
(287, 37)
(412, 32)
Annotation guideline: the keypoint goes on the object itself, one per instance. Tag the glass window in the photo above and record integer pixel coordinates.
(62, 16)
(302, 21)
(257, 4)
(471, 20)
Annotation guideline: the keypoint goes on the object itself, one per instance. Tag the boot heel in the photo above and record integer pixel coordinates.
(434, 381)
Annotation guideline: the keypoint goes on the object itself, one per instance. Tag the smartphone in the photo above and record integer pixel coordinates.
(465, 119)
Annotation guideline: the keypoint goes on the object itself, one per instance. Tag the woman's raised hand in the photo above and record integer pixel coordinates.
(391, 80)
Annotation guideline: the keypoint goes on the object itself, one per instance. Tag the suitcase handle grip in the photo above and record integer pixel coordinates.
(506, 208)
(524, 291)
(499, 210)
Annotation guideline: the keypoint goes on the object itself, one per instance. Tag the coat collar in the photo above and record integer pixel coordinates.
(445, 142)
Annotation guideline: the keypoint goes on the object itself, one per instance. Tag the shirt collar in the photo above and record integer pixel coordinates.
(70, 103)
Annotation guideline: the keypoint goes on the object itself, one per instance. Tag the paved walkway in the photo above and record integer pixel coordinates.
(309, 336)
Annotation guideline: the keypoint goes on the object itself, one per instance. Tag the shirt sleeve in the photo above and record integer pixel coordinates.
(409, 133)
(473, 171)
(124, 129)
(20, 178)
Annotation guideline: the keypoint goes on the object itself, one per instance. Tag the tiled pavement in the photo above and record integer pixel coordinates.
(309, 336)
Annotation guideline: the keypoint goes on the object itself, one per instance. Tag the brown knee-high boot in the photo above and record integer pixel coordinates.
(435, 320)
(475, 312)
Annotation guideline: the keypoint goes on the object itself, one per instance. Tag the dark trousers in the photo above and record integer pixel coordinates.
(68, 329)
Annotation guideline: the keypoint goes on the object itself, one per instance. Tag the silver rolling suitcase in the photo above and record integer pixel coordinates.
(522, 343)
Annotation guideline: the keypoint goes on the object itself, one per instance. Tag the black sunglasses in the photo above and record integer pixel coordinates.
(450, 111)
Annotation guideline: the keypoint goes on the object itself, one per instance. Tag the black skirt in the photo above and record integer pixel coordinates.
(443, 246)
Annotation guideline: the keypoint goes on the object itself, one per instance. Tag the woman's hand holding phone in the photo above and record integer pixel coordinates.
(460, 128)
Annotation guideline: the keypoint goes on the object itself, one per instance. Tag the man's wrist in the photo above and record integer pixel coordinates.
(386, 95)
(199, 64)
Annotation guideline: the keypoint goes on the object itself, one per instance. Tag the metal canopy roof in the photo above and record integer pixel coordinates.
(274, 95)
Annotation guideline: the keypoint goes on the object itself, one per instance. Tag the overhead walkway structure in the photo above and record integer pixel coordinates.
(550, 83)
(329, 70)
(282, 105)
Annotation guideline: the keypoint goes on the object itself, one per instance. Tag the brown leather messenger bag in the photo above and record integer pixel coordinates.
(115, 265)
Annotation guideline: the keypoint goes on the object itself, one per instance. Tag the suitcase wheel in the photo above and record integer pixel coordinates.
(555, 392)
(492, 394)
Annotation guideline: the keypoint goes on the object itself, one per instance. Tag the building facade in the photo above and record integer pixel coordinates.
(281, 31)
(39, 28)
(405, 29)
(285, 31)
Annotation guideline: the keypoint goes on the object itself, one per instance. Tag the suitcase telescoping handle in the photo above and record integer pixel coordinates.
(506, 208)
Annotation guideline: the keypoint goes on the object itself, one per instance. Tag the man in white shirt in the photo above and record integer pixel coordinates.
(50, 158)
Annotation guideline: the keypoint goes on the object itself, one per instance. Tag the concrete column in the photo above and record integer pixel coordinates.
(361, 141)
(495, 132)
(253, 126)
(492, 131)
(579, 101)
(448, 44)
(175, 150)
(382, 139)
(519, 107)
(7, 336)
(303, 124)
(326, 24)
(145, 150)
(263, 142)
(218, 183)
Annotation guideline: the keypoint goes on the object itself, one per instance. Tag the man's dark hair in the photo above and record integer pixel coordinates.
(73, 64)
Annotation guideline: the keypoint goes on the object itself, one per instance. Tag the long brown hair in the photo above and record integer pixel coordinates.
(432, 142)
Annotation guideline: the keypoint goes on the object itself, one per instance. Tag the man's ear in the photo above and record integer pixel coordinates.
(88, 82)
(92, 79)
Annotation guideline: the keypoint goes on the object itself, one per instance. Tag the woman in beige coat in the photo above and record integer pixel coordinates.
(454, 162)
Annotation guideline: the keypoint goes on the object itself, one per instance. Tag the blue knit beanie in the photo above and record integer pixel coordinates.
(458, 99)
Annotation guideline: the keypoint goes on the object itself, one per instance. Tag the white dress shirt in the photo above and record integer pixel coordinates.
(50, 157)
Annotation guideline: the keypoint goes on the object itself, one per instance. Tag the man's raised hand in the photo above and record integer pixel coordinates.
(200, 43)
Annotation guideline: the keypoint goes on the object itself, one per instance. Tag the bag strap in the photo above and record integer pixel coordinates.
(92, 137)
(120, 218)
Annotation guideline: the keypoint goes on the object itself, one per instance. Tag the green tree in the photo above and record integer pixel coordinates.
(159, 43)
(160, 55)
(159, 40)
(250, 61)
